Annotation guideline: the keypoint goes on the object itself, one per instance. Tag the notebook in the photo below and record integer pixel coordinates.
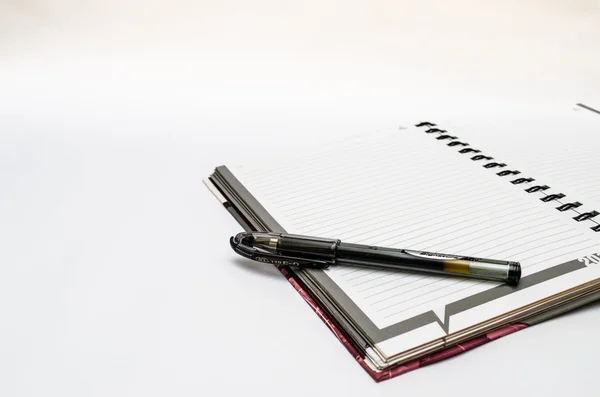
(503, 190)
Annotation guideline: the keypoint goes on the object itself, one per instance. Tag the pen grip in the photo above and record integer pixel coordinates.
(307, 247)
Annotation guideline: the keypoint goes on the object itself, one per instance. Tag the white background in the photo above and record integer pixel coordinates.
(116, 277)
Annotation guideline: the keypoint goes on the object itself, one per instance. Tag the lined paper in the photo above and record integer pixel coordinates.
(406, 189)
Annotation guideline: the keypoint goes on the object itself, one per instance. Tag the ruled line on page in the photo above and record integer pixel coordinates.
(441, 204)
(384, 222)
(323, 191)
(506, 231)
(350, 199)
(567, 163)
(380, 168)
(371, 203)
(457, 220)
(377, 277)
(395, 287)
(379, 284)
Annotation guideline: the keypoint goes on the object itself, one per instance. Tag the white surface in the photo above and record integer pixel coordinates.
(115, 273)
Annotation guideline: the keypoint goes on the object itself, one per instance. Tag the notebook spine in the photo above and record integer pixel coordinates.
(528, 182)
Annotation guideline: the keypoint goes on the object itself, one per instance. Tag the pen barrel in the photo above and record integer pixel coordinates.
(307, 247)
(422, 261)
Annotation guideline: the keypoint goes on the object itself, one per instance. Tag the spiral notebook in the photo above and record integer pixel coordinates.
(514, 192)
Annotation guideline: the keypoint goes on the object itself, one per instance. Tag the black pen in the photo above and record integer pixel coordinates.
(320, 253)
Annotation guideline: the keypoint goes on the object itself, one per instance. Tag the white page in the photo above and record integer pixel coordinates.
(405, 189)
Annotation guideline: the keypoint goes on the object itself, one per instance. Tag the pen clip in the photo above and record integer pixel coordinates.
(267, 257)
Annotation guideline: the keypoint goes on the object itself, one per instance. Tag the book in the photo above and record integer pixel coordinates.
(509, 190)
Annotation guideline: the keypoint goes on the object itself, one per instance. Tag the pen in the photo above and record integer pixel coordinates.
(320, 253)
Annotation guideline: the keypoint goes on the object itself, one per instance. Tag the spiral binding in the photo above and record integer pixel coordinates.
(443, 135)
